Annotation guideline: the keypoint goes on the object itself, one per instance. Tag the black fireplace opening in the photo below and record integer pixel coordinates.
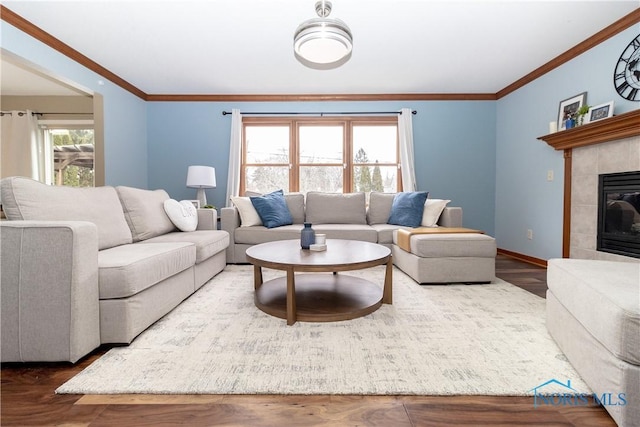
(619, 213)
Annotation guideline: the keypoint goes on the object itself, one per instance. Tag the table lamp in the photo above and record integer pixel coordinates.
(201, 177)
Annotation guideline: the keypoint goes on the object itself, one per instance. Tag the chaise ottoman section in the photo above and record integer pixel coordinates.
(593, 314)
(447, 258)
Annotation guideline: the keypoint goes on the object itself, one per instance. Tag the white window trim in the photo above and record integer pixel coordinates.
(53, 124)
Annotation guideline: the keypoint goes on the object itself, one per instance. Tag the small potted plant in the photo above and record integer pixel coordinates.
(582, 111)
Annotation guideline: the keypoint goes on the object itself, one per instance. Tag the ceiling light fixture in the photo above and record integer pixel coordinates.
(323, 42)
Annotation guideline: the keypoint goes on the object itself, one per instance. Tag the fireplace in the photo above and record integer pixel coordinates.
(619, 213)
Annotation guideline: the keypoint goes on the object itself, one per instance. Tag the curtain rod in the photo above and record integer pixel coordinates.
(33, 113)
(76, 114)
(315, 113)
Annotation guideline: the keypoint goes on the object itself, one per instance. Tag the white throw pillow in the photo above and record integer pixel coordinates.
(248, 214)
(432, 210)
(182, 214)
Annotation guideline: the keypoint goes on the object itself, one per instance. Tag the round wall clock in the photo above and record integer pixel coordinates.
(626, 76)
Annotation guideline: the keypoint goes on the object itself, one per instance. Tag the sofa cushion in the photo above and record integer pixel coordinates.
(208, 242)
(432, 210)
(604, 296)
(129, 269)
(295, 203)
(336, 208)
(182, 214)
(144, 211)
(261, 234)
(379, 207)
(385, 232)
(272, 209)
(407, 208)
(27, 199)
(361, 232)
(248, 214)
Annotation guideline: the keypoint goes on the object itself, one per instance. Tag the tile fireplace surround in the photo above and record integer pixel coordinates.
(607, 146)
(622, 155)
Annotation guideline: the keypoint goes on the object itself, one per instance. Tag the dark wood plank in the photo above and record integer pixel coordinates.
(27, 399)
(495, 411)
(526, 276)
(251, 414)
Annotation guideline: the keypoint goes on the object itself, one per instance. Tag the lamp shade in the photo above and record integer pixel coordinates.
(201, 177)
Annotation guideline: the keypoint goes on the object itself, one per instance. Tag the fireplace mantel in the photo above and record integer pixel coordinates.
(612, 128)
(609, 129)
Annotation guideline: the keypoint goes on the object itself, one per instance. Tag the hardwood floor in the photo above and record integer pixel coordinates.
(28, 399)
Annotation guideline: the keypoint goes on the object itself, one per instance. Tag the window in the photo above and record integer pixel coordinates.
(321, 154)
(73, 155)
(375, 159)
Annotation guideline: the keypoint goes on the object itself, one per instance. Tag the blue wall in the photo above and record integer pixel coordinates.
(454, 146)
(484, 155)
(524, 197)
(150, 145)
(124, 114)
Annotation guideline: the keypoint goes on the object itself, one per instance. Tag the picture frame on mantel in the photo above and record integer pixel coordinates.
(599, 112)
(569, 109)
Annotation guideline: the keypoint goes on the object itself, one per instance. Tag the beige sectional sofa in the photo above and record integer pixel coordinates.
(85, 266)
(339, 216)
(441, 258)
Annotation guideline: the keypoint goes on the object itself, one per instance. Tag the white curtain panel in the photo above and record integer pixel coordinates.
(407, 162)
(47, 157)
(23, 149)
(235, 156)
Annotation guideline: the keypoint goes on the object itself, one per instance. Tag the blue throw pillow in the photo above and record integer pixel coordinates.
(272, 209)
(407, 208)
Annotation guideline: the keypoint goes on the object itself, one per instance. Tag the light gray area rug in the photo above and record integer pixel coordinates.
(434, 340)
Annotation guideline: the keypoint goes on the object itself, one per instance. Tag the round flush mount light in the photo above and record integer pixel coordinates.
(323, 42)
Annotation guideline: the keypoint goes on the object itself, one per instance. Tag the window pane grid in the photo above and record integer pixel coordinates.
(328, 154)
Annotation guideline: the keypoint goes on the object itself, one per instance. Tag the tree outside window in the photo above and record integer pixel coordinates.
(73, 154)
(331, 154)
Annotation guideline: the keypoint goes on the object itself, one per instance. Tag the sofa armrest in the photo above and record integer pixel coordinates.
(49, 290)
(230, 218)
(229, 221)
(207, 219)
(451, 217)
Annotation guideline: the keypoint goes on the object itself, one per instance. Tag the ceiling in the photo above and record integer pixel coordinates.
(231, 47)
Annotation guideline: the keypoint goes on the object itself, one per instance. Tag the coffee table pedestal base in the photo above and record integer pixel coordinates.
(320, 297)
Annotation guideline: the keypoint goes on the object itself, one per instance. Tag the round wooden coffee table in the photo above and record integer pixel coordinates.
(319, 297)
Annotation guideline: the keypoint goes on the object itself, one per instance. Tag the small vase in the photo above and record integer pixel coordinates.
(569, 123)
(307, 236)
